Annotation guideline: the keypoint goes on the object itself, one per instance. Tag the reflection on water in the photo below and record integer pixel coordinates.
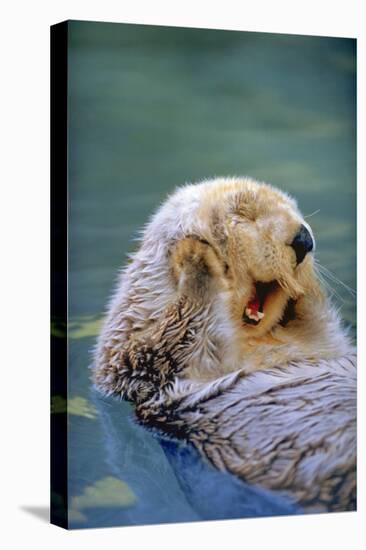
(149, 109)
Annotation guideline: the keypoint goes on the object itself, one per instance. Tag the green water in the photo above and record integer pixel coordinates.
(149, 109)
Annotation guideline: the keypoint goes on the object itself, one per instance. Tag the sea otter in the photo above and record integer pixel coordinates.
(221, 334)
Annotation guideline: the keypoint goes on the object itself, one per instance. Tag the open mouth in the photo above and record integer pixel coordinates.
(255, 309)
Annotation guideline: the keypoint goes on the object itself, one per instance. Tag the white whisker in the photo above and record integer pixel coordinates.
(313, 213)
(324, 273)
(332, 291)
(327, 273)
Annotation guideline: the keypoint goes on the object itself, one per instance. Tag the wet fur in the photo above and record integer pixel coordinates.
(273, 403)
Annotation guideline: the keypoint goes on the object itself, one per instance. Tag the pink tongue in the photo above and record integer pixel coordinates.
(254, 304)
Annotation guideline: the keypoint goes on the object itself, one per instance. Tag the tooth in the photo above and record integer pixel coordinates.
(256, 315)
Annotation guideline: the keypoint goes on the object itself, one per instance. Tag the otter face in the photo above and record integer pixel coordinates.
(266, 246)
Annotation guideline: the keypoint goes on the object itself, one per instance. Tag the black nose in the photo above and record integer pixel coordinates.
(302, 243)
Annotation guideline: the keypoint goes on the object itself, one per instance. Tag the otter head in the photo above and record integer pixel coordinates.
(266, 246)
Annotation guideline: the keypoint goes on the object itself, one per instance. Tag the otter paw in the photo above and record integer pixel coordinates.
(196, 266)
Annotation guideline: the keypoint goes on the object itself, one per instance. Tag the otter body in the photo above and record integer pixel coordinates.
(221, 335)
